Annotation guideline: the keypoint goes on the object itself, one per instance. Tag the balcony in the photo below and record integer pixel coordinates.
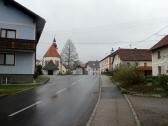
(17, 44)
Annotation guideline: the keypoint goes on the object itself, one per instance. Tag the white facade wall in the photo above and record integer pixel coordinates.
(11, 18)
(117, 62)
(24, 64)
(54, 59)
(105, 64)
(92, 71)
(163, 61)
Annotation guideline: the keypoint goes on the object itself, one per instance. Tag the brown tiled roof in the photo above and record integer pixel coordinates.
(135, 54)
(162, 43)
(52, 51)
(110, 55)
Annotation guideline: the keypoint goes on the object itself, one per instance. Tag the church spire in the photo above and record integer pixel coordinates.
(54, 43)
(54, 40)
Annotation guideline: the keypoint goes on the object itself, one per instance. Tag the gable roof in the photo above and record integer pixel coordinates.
(162, 43)
(93, 64)
(134, 54)
(52, 51)
(110, 55)
(40, 22)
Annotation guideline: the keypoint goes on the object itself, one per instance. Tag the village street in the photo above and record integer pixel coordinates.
(63, 101)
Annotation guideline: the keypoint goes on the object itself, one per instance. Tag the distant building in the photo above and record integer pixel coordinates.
(92, 68)
(141, 58)
(20, 31)
(38, 62)
(52, 61)
(106, 64)
(80, 70)
(160, 57)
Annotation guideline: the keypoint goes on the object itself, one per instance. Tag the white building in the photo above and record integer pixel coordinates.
(52, 61)
(141, 58)
(20, 31)
(106, 64)
(92, 68)
(160, 57)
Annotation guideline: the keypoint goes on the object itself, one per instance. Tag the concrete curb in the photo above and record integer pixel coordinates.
(45, 81)
(22, 91)
(96, 106)
(42, 83)
(133, 111)
(125, 91)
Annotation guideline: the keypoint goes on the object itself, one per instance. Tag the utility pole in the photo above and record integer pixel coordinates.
(69, 57)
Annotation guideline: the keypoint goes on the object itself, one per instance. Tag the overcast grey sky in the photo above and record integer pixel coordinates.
(95, 26)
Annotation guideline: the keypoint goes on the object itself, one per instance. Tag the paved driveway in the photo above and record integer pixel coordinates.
(151, 111)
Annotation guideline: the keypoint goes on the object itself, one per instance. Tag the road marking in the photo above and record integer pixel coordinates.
(74, 83)
(30, 106)
(77, 82)
(62, 90)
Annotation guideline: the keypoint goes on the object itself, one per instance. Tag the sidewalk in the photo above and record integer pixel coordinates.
(113, 109)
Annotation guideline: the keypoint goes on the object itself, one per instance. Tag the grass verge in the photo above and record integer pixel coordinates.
(149, 90)
(12, 89)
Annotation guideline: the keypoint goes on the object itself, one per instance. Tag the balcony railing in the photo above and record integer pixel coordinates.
(17, 44)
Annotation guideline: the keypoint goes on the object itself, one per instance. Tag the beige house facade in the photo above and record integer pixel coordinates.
(106, 64)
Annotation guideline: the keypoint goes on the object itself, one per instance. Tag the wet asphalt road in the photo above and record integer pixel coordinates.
(63, 101)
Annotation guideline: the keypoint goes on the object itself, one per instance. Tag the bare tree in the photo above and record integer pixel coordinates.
(69, 54)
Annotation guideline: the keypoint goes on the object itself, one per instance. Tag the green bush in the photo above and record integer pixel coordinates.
(163, 81)
(38, 71)
(128, 75)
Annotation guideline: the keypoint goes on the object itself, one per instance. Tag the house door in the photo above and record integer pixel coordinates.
(50, 72)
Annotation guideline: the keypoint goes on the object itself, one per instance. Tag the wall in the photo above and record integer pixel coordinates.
(163, 61)
(106, 64)
(24, 64)
(11, 18)
(54, 59)
(16, 79)
(92, 71)
(117, 62)
(140, 63)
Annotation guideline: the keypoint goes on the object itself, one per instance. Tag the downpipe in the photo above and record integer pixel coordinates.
(6, 80)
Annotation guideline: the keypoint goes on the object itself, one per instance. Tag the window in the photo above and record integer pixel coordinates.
(145, 64)
(159, 55)
(8, 33)
(10, 59)
(7, 59)
(2, 58)
(159, 70)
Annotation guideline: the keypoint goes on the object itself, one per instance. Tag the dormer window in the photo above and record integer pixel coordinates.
(8, 33)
